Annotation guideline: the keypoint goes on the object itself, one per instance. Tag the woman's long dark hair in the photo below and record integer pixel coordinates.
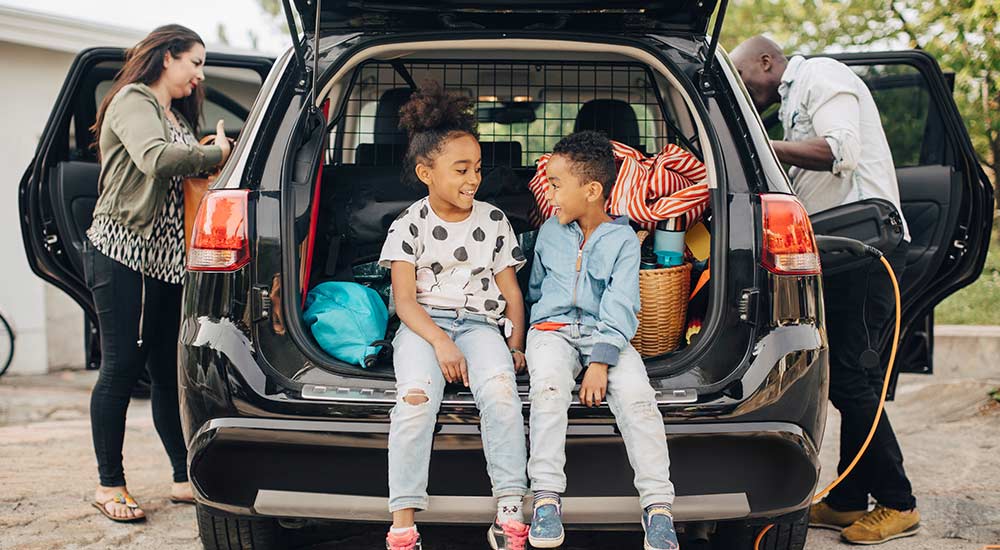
(144, 63)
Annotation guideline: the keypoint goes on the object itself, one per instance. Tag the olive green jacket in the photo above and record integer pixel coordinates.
(138, 159)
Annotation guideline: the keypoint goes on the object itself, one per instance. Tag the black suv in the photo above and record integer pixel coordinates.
(279, 429)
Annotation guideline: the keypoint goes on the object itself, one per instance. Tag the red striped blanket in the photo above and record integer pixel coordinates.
(647, 190)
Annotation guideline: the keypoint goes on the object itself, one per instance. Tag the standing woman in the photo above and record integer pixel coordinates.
(134, 260)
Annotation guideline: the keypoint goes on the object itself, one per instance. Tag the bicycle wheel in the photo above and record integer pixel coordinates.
(6, 344)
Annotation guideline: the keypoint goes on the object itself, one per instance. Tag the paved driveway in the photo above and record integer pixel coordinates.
(949, 430)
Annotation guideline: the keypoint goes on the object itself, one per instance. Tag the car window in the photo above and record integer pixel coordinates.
(212, 112)
(911, 124)
(552, 122)
(366, 123)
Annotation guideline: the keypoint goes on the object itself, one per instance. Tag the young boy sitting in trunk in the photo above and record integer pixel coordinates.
(585, 289)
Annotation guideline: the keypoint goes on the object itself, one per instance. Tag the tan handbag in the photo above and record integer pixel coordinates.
(195, 188)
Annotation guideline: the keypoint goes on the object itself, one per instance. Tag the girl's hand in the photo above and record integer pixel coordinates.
(451, 361)
(415, 317)
(520, 361)
(222, 141)
(595, 385)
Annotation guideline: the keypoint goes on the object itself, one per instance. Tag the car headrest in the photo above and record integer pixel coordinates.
(613, 117)
(387, 128)
(501, 153)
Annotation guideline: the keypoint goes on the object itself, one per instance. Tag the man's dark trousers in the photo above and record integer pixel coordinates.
(860, 307)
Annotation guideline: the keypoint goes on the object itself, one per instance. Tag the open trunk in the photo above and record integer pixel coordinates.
(525, 102)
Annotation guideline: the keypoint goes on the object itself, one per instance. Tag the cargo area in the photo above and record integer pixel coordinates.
(523, 107)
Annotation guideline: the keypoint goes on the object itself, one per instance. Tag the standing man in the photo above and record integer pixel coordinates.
(838, 154)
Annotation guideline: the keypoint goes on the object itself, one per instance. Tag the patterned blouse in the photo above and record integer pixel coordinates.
(162, 255)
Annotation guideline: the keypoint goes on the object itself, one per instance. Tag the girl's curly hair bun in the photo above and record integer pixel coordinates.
(431, 118)
(432, 108)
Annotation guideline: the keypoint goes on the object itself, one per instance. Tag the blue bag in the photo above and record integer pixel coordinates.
(348, 320)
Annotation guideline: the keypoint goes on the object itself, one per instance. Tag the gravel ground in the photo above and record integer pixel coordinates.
(949, 430)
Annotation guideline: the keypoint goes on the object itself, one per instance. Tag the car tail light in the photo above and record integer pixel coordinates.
(219, 241)
(789, 246)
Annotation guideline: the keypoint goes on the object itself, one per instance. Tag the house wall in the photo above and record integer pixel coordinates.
(48, 324)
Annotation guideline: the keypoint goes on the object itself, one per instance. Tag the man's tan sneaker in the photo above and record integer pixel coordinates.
(823, 516)
(882, 524)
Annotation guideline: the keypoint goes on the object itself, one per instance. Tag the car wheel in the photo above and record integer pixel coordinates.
(789, 533)
(224, 532)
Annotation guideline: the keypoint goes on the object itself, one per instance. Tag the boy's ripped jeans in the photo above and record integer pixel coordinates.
(555, 359)
(420, 388)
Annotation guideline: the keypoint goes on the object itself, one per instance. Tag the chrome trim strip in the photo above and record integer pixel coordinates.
(317, 392)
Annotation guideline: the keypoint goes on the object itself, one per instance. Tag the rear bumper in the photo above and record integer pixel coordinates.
(337, 470)
(480, 510)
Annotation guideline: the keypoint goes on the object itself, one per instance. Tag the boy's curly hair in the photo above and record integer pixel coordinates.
(592, 158)
(431, 117)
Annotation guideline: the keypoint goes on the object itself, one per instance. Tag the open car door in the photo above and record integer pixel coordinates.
(946, 197)
(59, 189)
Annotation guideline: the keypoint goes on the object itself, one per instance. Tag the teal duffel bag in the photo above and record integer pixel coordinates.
(348, 321)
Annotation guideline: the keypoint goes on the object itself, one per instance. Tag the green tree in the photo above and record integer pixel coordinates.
(220, 33)
(272, 7)
(961, 34)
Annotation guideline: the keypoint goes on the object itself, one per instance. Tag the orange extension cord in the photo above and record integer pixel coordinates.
(878, 414)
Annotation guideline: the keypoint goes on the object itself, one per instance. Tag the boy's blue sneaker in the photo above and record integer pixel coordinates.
(546, 524)
(658, 524)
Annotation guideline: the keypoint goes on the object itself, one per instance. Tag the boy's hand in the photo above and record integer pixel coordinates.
(451, 361)
(520, 361)
(595, 385)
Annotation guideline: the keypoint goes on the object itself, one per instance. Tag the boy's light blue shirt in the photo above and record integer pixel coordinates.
(603, 295)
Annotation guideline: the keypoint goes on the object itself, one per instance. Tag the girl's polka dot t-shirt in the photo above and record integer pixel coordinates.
(456, 262)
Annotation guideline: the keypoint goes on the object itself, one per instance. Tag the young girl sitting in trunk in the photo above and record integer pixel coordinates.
(453, 262)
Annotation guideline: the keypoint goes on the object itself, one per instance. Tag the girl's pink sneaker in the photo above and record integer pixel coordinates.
(511, 535)
(410, 540)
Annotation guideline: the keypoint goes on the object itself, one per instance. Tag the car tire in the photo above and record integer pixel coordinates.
(789, 533)
(225, 532)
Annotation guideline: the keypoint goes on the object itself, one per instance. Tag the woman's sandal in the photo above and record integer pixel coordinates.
(120, 498)
(181, 500)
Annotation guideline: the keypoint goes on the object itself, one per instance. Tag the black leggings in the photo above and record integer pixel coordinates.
(117, 292)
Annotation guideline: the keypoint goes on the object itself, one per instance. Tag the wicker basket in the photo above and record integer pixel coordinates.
(663, 294)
